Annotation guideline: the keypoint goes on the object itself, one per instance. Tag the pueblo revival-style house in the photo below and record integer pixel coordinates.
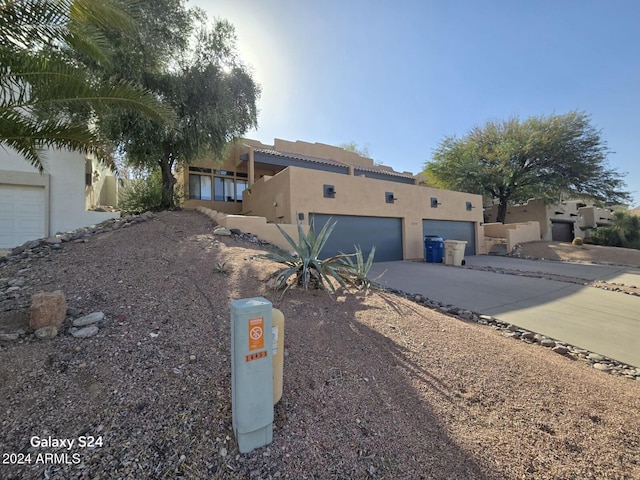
(290, 182)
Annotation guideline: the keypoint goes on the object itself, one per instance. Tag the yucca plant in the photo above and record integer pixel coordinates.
(356, 272)
(303, 263)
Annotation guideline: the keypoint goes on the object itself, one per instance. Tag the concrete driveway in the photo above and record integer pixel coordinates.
(601, 321)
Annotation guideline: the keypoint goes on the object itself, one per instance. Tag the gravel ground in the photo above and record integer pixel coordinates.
(375, 386)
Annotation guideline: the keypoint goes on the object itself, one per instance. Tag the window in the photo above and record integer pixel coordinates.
(218, 185)
(223, 189)
(199, 187)
(241, 186)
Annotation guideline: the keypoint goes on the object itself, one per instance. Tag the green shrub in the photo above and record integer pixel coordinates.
(144, 194)
(577, 241)
(607, 236)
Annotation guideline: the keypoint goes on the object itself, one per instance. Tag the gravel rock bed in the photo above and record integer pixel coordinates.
(376, 385)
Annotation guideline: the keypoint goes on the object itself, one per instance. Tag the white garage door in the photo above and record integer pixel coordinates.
(22, 214)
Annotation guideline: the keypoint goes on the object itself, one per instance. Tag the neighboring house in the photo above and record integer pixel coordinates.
(291, 182)
(560, 222)
(35, 205)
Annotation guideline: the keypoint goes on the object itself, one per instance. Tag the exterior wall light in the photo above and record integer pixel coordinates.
(470, 206)
(329, 191)
(389, 198)
(435, 202)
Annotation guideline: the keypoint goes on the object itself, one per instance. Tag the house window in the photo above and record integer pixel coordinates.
(223, 189)
(219, 185)
(199, 187)
(241, 186)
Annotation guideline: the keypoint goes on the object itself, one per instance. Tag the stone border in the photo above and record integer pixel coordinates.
(597, 361)
(43, 246)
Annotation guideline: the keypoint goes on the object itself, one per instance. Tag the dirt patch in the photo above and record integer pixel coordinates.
(375, 386)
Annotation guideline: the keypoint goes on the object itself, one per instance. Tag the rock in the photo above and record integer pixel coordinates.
(560, 349)
(221, 231)
(595, 357)
(53, 241)
(88, 319)
(602, 366)
(49, 331)
(467, 315)
(9, 337)
(17, 282)
(528, 336)
(12, 289)
(417, 298)
(192, 358)
(486, 318)
(236, 231)
(512, 328)
(223, 452)
(85, 332)
(47, 308)
(74, 312)
(547, 342)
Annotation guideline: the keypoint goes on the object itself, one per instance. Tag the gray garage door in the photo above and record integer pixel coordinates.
(451, 230)
(561, 231)
(384, 233)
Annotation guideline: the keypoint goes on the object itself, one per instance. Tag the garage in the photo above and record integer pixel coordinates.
(382, 232)
(22, 214)
(452, 230)
(561, 231)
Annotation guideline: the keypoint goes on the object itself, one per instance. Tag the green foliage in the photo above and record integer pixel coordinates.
(606, 236)
(513, 160)
(363, 151)
(356, 272)
(577, 241)
(303, 263)
(49, 97)
(307, 270)
(145, 194)
(624, 231)
(221, 267)
(194, 67)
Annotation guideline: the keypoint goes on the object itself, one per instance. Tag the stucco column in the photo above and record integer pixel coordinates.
(252, 168)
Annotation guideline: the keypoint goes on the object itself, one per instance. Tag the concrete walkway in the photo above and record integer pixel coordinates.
(601, 321)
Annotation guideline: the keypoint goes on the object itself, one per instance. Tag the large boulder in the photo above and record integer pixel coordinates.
(47, 309)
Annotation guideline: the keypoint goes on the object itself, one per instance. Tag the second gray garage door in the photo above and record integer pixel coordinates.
(384, 233)
(452, 230)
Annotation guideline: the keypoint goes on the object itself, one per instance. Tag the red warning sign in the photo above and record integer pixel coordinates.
(256, 333)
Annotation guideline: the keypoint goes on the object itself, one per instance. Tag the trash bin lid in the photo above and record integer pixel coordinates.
(434, 237)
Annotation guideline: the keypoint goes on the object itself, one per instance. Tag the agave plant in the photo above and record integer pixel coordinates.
(303, 263)
(356, 272)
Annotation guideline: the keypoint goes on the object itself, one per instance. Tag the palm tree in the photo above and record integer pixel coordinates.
(627, 227)
(48, 96)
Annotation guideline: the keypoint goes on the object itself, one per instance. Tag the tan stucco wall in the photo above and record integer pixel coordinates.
(257, 226)
(362, 196)
(583, 218)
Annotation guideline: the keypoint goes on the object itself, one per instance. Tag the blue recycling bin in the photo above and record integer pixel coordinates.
(433, 248)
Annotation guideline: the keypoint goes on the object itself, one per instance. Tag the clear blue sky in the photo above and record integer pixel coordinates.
(398, 76)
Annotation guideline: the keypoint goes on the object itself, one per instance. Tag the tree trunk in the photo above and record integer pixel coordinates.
(168, 182)
(502, 210)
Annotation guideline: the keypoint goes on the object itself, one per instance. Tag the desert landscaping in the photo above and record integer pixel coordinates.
(375, 385)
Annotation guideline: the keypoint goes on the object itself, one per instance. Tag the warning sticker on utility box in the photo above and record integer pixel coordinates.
(256, 333)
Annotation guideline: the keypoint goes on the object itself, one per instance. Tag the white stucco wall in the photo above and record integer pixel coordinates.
(66, 202)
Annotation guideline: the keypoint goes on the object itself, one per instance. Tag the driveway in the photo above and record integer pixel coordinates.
(601, 321)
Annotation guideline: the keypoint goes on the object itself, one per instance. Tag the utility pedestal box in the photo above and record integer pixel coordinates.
(251, 373)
